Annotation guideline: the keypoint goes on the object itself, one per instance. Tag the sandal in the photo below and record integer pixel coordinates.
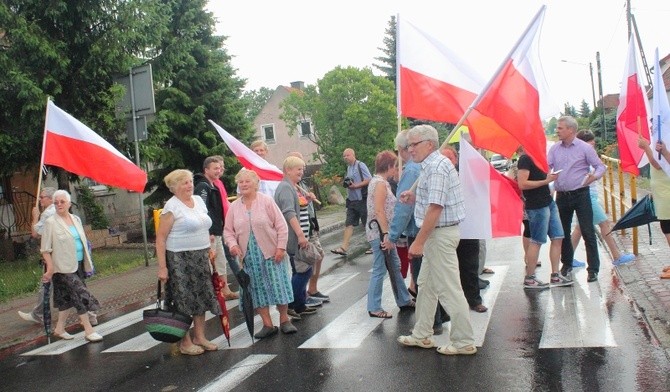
(451, 350)
(339, 251)
(411, 341)
(208, 346)
(488, 271)
(479, 308)
(193, 349)
(381, 314)
(412, 292)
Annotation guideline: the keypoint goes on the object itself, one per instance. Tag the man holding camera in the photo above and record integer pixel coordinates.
(356, 182)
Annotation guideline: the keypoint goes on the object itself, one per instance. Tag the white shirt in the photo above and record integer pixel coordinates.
(190, 230)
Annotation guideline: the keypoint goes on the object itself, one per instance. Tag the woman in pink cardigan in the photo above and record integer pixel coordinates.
(256, 232)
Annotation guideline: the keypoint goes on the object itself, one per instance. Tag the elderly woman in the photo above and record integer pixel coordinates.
(182, 248)
(297, 219)
(256, 233)
(380, 204)
(67, 260)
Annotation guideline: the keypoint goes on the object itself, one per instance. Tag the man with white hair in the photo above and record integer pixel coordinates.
(439, 210)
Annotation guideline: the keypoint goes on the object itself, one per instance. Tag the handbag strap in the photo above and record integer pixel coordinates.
(158, 295)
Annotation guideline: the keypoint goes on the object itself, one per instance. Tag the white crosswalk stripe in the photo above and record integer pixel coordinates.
(238, 373)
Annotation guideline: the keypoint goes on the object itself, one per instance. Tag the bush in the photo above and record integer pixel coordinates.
(95, 215)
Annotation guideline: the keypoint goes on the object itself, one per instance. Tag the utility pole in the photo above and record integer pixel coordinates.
(602, 100)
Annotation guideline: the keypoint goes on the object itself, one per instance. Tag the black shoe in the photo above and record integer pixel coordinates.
(565, 270)
(593, 276)
(483, 284)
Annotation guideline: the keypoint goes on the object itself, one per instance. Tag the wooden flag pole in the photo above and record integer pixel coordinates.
(44, 143)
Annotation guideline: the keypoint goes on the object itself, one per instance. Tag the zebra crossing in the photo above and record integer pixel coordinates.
(574, 317)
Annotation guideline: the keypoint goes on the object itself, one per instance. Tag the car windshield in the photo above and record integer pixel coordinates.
(497, 157)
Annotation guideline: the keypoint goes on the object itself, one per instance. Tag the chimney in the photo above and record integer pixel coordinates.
(300, 85)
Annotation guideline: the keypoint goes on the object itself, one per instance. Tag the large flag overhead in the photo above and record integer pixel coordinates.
(73, 146)
(493, 207)
(248, 158)
(632, 120)
(660, 115)
(434, 84)
(517, 99)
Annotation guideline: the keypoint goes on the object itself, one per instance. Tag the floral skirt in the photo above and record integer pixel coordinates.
(189, 287)
(70, 291)
(270, 281)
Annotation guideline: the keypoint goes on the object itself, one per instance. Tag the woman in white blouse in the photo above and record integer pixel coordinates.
(182, 248)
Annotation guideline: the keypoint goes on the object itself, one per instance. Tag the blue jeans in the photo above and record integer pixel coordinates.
(579, 203)
(299, 282)
(544, 222)
(377, 278)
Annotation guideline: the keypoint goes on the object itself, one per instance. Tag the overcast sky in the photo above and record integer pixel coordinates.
(276, 42)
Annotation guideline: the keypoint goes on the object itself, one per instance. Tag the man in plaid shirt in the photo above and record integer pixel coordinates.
(438, 211)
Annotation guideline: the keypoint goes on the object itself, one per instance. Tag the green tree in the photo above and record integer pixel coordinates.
(569, 110)
(196, 82)
(255, 101)
(349, 107)
(71, 51)
(388, 66)
(584, 109)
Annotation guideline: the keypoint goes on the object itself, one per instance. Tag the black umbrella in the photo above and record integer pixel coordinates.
(641, 213)
(246, 303)
(46, 305)
(388, 260)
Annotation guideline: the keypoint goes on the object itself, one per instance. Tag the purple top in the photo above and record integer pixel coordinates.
(576, 160)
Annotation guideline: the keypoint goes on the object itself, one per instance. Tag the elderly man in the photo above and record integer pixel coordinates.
(580, 166)
(358, 176)
(438, 211)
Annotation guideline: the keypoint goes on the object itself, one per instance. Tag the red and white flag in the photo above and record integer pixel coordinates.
(73, 146)
(248, 158)
(493, 207)
(517, 100)
(660, 114)
(436, 85)
(632, 120)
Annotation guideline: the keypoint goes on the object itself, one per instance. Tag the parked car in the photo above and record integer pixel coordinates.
(500, 163)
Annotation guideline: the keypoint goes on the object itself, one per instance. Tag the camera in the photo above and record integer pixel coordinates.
(347, 181)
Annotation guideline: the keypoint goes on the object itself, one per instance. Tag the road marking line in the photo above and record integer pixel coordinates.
(576, 316)
(234, 376)
(480, 321)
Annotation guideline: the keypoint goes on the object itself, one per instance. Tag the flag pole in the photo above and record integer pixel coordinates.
(495, 76)
(44, 143)
(398, 91)
(658, 124)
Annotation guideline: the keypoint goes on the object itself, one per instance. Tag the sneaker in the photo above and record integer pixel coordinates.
(624, 259)
(577, 264)
(318, 295)
(531, 282)
(293, 315)
(307, 311)
(566, 271)
(592, 277)
(30, 317)
(312, 302)
(557, 280)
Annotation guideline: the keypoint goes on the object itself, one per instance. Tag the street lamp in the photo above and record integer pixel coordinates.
(593, 88)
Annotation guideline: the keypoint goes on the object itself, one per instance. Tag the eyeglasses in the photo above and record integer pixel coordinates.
(57, 202)
(416, 144)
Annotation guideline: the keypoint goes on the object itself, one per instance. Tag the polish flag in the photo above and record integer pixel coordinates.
(73, 146)
(436, 85)
(660, 114)
(493, 207)
(517, 99)
(632, 116)
(248, 158)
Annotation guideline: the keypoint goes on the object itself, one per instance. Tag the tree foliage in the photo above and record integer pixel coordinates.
(349, 108)
(584, 109)
(255, 101)
(388, 66)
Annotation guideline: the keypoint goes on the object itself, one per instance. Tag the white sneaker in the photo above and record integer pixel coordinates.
(94, 337)
(29, 317)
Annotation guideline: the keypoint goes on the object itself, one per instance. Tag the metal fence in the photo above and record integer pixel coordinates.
(15, 213)
(618, 197)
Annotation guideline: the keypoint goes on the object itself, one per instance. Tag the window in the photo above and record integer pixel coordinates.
(305, 128)
(268, 132)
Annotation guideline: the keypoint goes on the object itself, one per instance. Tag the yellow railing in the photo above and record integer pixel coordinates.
(611, 197)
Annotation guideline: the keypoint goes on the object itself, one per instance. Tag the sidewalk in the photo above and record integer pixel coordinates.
(118, 294)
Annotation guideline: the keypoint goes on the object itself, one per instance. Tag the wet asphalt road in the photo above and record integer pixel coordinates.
(583, 338)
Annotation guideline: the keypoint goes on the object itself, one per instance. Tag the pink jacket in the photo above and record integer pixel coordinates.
(267, 223)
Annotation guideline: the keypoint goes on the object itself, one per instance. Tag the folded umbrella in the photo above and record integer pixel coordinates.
(388, 260)
(641, 213)
(218, 284)
(46, 305)
(246, 302)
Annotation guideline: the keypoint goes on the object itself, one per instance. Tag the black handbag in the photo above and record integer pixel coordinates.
(167, 326)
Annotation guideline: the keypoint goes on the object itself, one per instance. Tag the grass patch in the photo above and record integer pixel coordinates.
(22, 276)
